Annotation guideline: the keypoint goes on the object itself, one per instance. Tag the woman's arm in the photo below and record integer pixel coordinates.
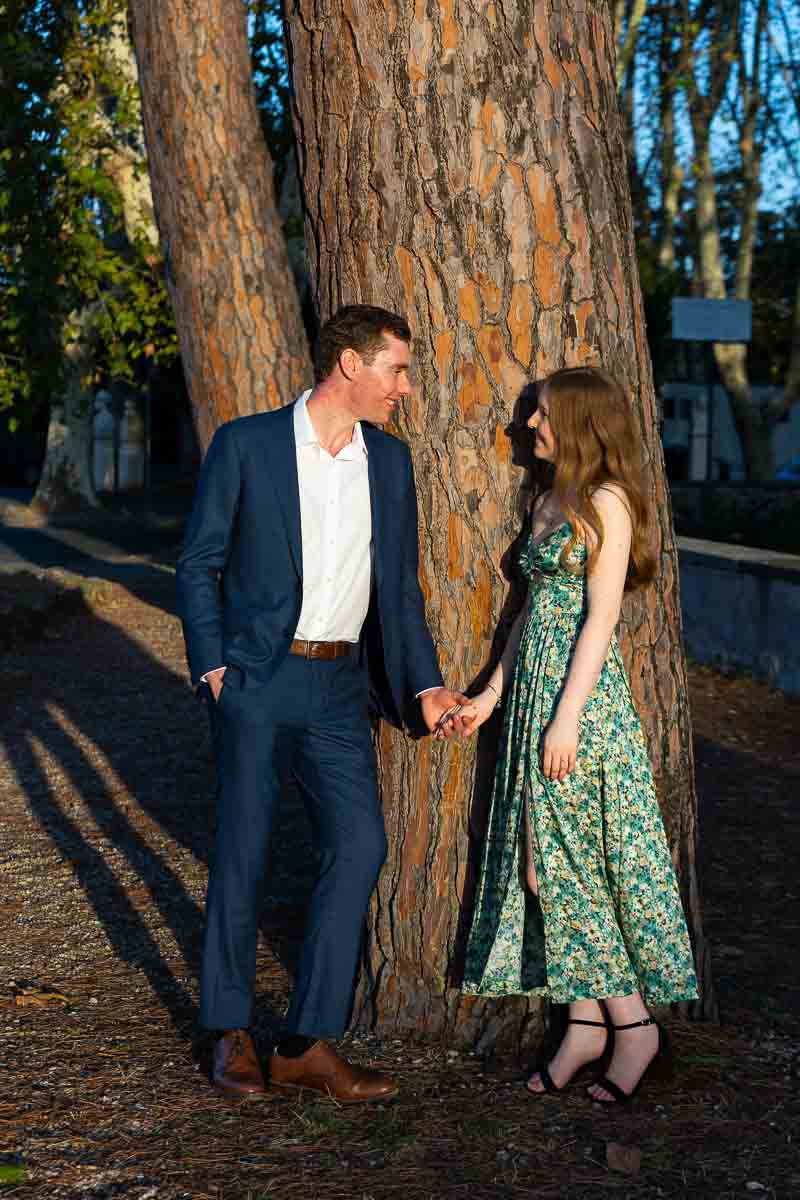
(604, 590)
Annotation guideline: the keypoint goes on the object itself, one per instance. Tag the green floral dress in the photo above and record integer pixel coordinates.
(608, 919)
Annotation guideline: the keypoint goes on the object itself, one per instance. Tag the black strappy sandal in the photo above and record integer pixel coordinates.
(614, 1089)
(544, 1071)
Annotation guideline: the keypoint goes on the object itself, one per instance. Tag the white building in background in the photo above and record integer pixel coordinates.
(689, 423)
(119, 444)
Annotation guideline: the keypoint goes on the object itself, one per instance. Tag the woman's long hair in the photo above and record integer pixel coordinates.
(597, 442)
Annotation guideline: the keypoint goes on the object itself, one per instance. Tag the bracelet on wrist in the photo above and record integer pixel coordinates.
(492, 688)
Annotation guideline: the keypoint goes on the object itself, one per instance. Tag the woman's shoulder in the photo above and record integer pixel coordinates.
(611, 501)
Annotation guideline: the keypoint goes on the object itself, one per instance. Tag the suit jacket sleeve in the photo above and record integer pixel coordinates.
(205, 553)
(422, 663)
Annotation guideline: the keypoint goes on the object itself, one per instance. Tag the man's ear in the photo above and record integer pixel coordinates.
(349, 363)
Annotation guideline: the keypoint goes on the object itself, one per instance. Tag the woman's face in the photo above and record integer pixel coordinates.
(544, 442)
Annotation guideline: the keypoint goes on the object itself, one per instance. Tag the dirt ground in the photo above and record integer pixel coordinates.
(105, 788)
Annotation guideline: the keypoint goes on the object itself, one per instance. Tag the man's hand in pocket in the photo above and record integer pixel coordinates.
(214, 681)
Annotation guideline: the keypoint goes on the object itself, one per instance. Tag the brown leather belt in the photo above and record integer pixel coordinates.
(325, 650)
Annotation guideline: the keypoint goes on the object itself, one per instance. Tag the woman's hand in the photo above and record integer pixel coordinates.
(477, 710)
(560, 747)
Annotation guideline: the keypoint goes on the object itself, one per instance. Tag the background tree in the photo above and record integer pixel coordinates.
(465, 164)
(29, 52)
(712, 59)
(243, 344)
(712, 98)
(111, 272)
(85, 254)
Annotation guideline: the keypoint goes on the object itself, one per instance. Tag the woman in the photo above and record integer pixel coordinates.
(574, 812)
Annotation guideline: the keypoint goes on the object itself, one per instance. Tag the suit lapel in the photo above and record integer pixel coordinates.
(372, 440)
(282, 455)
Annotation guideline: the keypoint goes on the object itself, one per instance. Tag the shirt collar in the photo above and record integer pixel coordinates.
(306, 435)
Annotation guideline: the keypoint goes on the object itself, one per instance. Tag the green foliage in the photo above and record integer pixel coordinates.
(30, 45)
(69, 116)
(11, 1175)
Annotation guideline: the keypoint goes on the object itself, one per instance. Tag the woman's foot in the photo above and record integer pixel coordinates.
(634, 1050)
(584, 1042)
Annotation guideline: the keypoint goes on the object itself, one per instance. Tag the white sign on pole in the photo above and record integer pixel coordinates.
(711, 320)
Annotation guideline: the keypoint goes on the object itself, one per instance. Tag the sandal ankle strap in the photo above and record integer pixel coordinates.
(637, 1024)
(577, 1021)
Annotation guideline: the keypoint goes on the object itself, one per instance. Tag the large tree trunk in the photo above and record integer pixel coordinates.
(242, 341)
(465, 164)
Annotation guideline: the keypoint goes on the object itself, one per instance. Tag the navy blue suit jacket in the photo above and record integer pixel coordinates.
(240, 575)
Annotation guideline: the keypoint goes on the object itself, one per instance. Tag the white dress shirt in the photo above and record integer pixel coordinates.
(336, 530)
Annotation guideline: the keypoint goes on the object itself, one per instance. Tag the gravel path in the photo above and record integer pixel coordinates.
(105, 788)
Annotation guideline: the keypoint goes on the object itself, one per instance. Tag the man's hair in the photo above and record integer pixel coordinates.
(359, 327)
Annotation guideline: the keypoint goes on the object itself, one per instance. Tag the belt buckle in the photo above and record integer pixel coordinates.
(309, 654)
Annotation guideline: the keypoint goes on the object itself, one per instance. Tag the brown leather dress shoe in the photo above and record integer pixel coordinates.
(235, 1068)
(322, 1070)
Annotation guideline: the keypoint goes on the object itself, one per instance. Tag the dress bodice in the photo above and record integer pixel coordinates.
(553, 584)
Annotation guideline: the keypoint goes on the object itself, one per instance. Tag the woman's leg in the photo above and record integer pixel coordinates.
(581, 1044)
(530, 869)
(634, 1049)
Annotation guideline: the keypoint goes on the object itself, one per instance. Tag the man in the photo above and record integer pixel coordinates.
(302, 611)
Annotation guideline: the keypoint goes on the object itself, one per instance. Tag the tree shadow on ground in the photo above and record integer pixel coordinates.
(97, 557)
(123, 725)
(124, 729)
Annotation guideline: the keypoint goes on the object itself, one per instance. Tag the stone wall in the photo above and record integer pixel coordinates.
(741, 609)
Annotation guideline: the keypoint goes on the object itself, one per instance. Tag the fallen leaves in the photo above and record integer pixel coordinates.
(21, 994)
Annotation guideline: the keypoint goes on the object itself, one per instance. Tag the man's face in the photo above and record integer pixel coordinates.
(379, 386)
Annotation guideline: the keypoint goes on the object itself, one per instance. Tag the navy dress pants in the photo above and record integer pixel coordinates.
(311, 719)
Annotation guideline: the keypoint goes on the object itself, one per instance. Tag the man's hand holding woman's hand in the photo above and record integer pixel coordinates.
(477, 710)
(441, 711)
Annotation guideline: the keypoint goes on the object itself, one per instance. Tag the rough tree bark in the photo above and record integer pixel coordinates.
(242, 341)
(465, 164)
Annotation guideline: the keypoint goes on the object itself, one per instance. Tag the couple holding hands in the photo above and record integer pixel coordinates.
(303, 615)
